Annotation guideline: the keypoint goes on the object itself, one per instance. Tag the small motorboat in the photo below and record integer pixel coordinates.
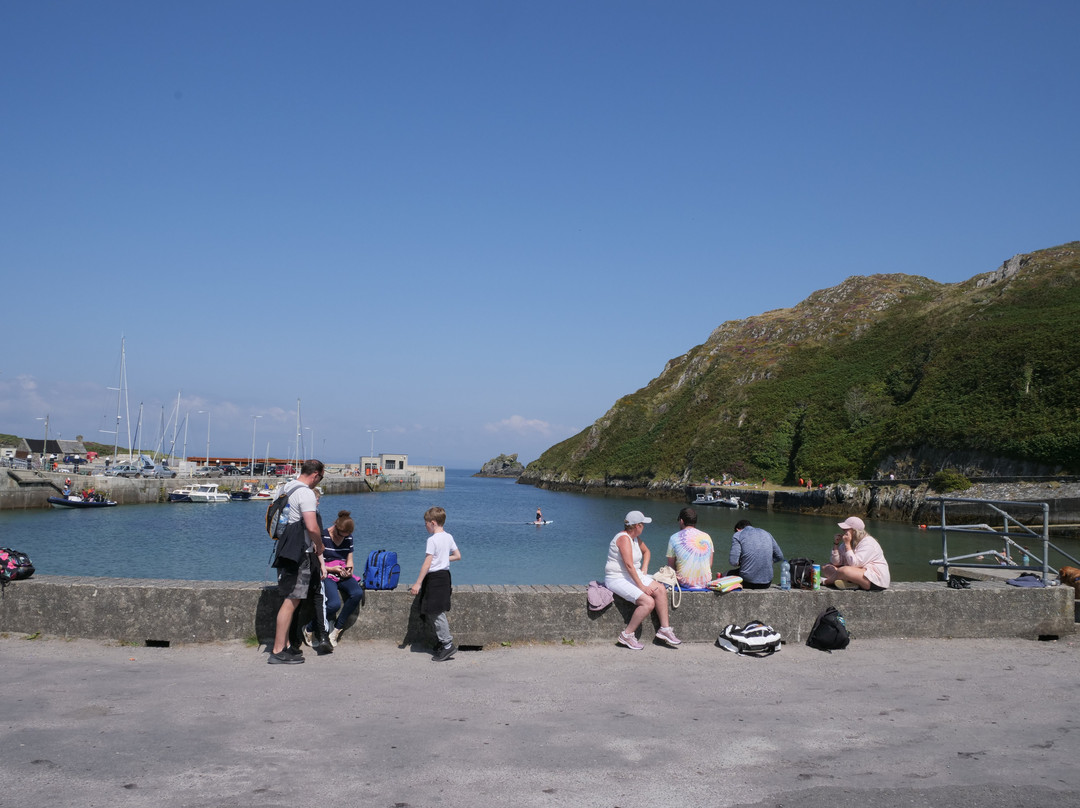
(242, 494)
(182, 494)
(207, 492)
(80, 501)
(723, 502)
(267, 494)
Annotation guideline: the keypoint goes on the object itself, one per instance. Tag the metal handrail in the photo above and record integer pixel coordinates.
(1010, 530)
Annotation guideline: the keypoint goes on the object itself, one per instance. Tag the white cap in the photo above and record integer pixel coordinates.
(852, 523)
(636, 518)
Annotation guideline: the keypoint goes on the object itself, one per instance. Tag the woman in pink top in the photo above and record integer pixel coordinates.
(857, 559)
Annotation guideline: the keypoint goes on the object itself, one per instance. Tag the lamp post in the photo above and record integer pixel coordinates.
(310, 448)
(254, 422)
(45, 445)
(372, 433)
(206, 462)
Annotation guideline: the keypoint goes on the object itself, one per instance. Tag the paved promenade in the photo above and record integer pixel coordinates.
(884, 723)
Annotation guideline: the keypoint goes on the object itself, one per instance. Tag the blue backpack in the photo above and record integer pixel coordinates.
(381, 570)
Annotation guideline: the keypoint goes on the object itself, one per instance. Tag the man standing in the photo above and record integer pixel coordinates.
(690, 552)
(753, 552)
(296, 582)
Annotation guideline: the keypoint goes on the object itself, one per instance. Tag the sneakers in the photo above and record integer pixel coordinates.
(283, 657)
(444, 654)
(334, 635)
(630, 641)
(307, 635)
(840, 583)
(296, 652)
(667, 635)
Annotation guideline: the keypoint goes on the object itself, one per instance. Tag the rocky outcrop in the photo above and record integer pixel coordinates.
(502, 466)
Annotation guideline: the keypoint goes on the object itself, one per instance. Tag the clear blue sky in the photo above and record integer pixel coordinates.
(473, 226)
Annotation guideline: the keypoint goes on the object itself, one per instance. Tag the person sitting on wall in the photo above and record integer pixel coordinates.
(690, 552)
(753, 552)
(857, 559)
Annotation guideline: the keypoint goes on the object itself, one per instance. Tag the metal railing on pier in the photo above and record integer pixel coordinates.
(1010, 531)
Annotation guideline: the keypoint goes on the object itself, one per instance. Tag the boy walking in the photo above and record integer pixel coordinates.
(433, 583)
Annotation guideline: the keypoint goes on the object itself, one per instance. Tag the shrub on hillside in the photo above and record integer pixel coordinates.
(949, 480)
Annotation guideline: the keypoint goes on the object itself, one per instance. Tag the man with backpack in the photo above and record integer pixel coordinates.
(297, 580)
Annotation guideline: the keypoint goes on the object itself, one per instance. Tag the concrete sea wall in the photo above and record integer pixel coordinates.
(22, 490)
(165, 612)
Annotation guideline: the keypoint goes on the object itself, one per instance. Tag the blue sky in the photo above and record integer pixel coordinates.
(473, 226)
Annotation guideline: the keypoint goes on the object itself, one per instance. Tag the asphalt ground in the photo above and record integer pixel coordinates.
(883, 723)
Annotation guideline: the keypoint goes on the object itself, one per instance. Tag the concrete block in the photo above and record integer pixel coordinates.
(159, 611)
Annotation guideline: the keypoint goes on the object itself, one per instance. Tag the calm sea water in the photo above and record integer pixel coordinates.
(488, 518)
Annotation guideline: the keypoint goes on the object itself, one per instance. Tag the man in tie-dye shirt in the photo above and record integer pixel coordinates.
(690, 552)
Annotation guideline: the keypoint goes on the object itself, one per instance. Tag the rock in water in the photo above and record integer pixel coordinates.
(502, 466)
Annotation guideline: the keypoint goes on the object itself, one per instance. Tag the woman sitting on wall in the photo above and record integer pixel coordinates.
(857, 559)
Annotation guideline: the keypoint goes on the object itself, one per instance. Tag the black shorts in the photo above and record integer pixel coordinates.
(294, 579)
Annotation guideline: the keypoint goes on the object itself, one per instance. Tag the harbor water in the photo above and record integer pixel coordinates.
(489, 519)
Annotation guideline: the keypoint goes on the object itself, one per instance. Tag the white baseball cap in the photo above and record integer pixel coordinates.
(852, 523)
(637, 518)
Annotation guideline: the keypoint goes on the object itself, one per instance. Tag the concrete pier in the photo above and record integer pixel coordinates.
(162, 612)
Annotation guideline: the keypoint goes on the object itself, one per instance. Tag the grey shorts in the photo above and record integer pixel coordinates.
(294, 581)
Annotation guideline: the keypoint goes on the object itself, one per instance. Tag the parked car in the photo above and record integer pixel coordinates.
(158, 471)
(230, 471)
(124, 470)
(207, 471)
(72, 460)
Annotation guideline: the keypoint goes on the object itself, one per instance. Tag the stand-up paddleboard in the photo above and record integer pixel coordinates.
(548, 522)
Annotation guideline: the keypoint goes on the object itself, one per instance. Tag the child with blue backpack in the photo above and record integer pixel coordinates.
(433, 583)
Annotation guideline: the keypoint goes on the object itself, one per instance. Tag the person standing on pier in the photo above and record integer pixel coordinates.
(296, 582)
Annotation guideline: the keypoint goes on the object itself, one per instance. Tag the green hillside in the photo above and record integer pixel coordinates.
(883, 373)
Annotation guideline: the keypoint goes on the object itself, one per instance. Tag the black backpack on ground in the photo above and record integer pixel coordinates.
(802, 573)
(829, 632)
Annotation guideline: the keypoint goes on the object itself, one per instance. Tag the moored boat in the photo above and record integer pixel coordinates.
(182, 494)
(207, 492)
(723, 502)
(79, 501)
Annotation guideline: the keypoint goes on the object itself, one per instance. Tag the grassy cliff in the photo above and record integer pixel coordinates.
(881, 373)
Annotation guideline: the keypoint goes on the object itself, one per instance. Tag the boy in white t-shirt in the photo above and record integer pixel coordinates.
(433, 583)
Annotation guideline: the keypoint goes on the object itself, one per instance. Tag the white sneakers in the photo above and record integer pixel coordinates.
(334, 635)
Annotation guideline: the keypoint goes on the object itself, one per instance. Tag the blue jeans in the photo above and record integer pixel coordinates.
(354, 593)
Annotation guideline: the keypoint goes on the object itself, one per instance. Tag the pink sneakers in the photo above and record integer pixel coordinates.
(667, 635)
(630, 641)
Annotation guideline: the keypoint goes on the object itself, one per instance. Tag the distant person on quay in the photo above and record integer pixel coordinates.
(690, 552)
(296, 581)
(857, 559)
(753, 552)
(626, 574)
(433, 584)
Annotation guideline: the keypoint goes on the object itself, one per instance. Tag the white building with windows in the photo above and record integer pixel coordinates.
(396, 467)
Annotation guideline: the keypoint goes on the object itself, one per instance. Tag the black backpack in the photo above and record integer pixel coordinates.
(802, 573)
(829, 632)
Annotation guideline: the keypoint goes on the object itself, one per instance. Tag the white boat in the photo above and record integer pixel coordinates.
(723, 502)
(267, 494)
(182, 494)
(207, 492)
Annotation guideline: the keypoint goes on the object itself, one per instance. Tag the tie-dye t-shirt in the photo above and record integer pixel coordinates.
(692, 550)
